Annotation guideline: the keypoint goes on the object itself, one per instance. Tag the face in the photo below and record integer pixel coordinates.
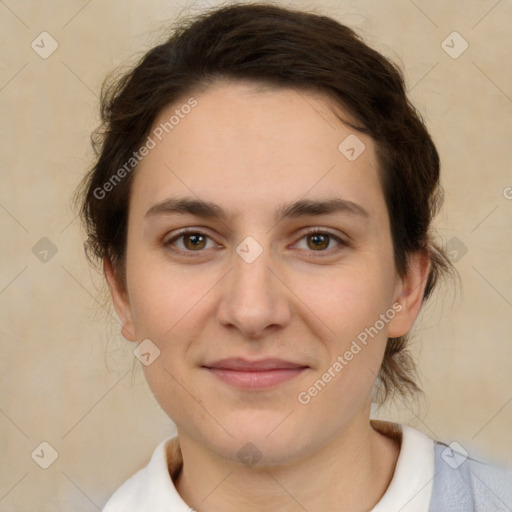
(260, 265)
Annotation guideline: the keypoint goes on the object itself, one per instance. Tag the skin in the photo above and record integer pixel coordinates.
(249, 151)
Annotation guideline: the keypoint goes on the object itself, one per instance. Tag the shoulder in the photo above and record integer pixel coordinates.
(462, 483)
(128, 495)
(151, 488)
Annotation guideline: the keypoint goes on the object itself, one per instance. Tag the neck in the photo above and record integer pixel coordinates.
(350, 472)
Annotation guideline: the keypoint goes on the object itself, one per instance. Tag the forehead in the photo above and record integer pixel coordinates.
(251, 147)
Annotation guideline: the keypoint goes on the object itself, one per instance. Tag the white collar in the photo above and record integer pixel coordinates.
(410, 490)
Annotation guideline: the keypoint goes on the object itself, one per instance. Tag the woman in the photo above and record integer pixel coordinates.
(261, 203)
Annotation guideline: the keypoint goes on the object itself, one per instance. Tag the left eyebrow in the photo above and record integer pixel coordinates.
(323, 207)
(303, 207)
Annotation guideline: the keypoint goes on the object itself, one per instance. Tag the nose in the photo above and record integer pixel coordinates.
(254, 298)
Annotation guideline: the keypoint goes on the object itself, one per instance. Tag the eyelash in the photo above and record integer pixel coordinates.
(194, 254)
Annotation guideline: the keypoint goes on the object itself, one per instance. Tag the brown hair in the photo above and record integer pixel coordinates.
(270, 45)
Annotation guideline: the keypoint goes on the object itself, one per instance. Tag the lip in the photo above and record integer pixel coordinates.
(259, 374)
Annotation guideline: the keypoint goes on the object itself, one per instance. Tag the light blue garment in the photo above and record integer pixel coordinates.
(466, 485)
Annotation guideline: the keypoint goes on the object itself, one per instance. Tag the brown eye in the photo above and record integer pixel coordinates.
(321, 241)
(190, 242)
(318, 241)
(194, 241)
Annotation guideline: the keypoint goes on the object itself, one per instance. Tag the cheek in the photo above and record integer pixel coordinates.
(349, 298)
(356, 306)
(163, 296)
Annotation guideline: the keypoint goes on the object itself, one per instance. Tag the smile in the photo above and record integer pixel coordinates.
(258, 375)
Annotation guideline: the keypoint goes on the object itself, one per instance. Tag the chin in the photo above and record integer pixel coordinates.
(262, 439)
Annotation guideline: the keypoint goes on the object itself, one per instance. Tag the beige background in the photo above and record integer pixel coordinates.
(69, 378)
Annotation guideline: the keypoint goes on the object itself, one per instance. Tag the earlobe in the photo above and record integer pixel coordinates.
(120, 300)
(409, 294)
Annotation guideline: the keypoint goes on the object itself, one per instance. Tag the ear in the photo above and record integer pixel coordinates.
(120, 300)
(409, 293)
